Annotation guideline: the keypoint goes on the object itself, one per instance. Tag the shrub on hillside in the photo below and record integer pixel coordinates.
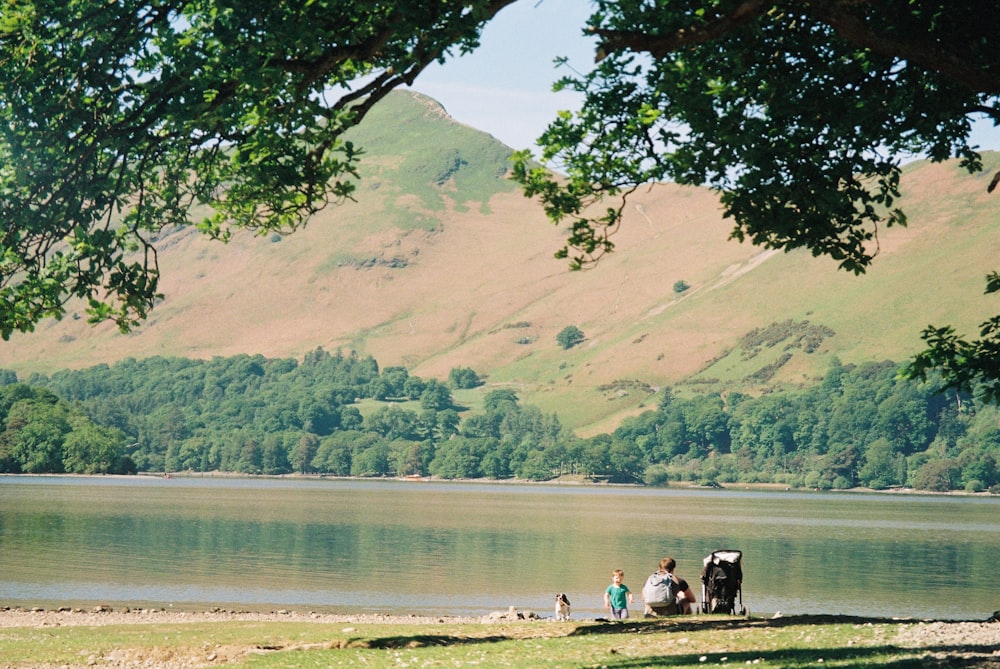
(464, 378)
(569, 336)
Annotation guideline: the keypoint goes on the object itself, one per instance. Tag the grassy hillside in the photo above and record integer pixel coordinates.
(442, 263)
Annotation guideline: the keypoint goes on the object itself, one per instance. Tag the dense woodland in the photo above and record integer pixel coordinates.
(861, 426)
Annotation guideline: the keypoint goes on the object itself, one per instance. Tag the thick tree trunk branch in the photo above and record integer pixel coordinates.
(659, 46)
(949, 63)
(839, 15)
(317, 68)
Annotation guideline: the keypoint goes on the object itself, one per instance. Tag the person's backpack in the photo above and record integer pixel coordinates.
(660, 590)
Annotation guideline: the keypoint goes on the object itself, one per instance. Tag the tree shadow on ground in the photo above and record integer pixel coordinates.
(884, 656)
(678, 624)
(421, 640)
(933, 656)
(936, 657)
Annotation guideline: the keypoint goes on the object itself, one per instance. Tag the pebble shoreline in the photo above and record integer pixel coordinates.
(105, 615)
(917, 632)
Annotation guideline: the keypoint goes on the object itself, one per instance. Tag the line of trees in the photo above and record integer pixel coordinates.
(862, 426)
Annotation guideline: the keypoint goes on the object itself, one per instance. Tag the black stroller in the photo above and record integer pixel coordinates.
(722, 583)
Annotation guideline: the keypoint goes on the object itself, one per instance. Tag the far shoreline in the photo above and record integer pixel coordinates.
(567, 480)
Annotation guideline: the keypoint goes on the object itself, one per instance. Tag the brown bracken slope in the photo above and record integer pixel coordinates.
(427, 272)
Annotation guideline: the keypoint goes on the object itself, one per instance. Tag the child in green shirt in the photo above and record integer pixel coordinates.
(617, 597)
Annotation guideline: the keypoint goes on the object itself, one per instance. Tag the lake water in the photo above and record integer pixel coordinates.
(468, 549)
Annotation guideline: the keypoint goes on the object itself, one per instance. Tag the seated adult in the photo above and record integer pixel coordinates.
(684, 599)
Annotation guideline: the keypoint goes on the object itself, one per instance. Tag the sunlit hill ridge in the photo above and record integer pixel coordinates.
(441, 262)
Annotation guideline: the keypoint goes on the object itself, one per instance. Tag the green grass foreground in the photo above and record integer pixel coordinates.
(797, 641)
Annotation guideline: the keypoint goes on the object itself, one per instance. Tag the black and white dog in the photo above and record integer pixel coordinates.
(562, 607)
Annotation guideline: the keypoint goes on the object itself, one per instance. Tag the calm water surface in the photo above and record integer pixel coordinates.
(460, 549)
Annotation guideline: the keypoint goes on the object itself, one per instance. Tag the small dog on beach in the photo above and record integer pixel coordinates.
(562, 607)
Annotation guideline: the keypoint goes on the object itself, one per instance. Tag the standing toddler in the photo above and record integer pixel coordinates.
(617, 597)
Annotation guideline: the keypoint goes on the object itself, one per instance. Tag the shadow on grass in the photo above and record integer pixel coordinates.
(939, 656)
(885, 656)
(421, 640)
(700, 624)
(879, 657)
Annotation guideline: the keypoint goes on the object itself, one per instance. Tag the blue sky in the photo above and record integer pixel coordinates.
(505, 87)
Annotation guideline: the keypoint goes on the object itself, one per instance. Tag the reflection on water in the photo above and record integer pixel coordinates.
(444, 548)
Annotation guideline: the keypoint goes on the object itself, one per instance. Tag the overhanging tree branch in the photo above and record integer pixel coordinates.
(658, 46)
(950, 60)
(138, 115)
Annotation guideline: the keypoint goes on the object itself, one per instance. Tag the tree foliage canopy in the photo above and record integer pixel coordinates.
(120, 118)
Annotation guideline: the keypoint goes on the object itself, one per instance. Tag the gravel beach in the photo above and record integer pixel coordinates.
(38, 617)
